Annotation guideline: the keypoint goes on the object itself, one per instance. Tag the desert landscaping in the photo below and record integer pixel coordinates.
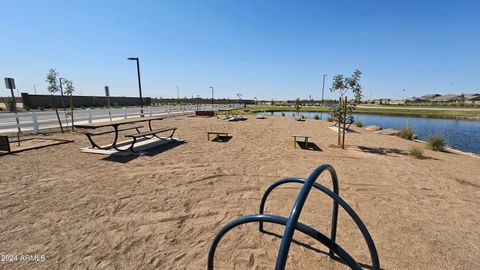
(162, 209)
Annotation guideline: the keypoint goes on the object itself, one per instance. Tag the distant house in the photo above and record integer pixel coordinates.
(382, 101)
(472, 98)
(446, 98)
(416, 100)
(429, 96)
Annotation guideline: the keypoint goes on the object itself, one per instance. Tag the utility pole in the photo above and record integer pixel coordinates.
(212, 95)
(178, 93)
(323, 86)
(34, 88)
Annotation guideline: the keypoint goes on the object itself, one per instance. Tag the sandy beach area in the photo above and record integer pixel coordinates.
(161, 210)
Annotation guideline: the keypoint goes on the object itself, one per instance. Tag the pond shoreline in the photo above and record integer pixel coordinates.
(461, 134)
(445, 114)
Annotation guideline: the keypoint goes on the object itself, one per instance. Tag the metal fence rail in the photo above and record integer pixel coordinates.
(291, 223)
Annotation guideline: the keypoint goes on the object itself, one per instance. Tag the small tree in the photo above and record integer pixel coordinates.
(298, 105)
(8, 102)
(462, 98)
(52, 80)
(69, 88)
(342, 85)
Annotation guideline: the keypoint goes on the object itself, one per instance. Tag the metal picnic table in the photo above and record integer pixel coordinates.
(229, 113)
(116, 124)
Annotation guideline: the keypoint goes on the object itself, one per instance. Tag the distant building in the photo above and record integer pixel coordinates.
(472, 98)
(429, 96)
(416, 100)
(447, 98)
(462, 98)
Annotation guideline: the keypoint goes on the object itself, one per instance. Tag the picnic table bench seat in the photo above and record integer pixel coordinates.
(152, 132)
(217, 134)
(305, 140)
(145, 134)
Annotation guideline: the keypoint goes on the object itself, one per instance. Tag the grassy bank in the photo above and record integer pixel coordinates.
(469, 115)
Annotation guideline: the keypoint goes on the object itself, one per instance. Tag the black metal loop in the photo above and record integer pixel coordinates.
(291, 223)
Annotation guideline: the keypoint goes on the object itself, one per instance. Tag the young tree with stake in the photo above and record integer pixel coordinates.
(342, 85)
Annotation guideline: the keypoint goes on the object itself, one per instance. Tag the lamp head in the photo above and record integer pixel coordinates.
(132, 58)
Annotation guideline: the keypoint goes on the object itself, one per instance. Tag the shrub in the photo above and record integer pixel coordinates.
(358, 124)
(316, 117)
(406, 133)
(330, 119)
(8, 102)
(416, 152)
(283, 114)
(436, 143)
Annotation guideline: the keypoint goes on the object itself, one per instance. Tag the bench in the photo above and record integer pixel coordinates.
(152, 133)
(5, 144)
(217, 133)
(205, 113)
(305, 140)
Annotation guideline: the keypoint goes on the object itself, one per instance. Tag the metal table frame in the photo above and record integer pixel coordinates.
(116, 130)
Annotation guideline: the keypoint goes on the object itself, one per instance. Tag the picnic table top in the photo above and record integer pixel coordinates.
(119, 122)
(301, 136)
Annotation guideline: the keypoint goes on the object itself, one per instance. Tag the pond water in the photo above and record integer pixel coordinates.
(463, 135)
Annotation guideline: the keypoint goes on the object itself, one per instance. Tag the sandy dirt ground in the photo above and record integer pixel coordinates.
(162, 210)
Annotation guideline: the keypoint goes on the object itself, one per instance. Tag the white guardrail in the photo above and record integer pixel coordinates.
(36, 120)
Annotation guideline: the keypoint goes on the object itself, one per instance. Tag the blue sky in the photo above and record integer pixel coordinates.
(264, 49)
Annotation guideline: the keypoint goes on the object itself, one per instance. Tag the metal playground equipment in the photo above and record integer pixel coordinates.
(291, 223)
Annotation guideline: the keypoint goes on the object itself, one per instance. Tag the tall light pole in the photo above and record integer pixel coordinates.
(34, 88)
(139, 83)
(212, 95)
(178, 94)
(323, 86)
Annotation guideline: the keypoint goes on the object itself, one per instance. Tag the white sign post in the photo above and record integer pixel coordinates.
(107, 94)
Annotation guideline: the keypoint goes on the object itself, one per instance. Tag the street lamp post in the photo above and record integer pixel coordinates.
(323, 86)
(139, 83)
(212, 95)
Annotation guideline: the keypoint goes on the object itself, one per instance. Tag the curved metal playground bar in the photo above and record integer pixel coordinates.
(291, 223)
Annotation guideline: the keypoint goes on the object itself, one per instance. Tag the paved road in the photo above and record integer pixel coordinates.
(48, 119)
